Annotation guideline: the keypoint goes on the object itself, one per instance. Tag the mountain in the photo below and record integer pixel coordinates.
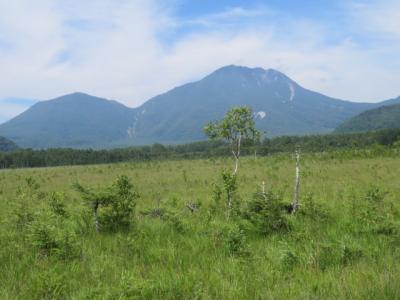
(384, 117)
(280, 105)
(75, 120)
(6, 145)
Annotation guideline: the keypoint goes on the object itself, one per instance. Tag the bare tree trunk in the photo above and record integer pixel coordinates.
(236, 154)
(236, 165)
(263, 187)
(96, 219)
(295, 203)
(229, 204)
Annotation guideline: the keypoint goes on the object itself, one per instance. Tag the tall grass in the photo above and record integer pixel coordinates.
(343, 243)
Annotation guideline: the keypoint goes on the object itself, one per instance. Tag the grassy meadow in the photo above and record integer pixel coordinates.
(343, 243)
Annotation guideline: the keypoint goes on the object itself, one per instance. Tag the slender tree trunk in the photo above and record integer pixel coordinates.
(236, 165)
(96, 219)
(295, 203)
(263, 187)
(236, 154)
(229, 205)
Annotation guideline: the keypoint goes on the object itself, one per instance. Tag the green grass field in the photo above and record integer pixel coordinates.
(344, 242)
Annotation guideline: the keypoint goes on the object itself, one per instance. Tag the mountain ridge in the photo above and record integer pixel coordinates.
(384, 117)
(221, 84)
(69, 121)
(281, 107)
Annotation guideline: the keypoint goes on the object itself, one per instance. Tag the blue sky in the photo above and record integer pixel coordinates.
(131, 50)
(306, 8)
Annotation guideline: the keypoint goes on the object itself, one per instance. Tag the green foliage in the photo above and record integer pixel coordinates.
(383, 117)
(52, 232)
(238, 123)
(230, 187)
(115, 205)
(235, 241)
(57, 204)
(347, 228)
(268, 213)
(55, 237)
(314, 210)
(338, 254)
(32, 184)
(350, 145)
(374, 214)
(50, 284)
(289, 259)
(226, 194)
(217, 197)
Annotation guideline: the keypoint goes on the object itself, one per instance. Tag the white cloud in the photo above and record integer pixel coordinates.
(117, 49)
(235, 14)
(379, 17)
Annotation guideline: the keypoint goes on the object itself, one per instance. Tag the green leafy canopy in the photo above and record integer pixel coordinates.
(238, 123)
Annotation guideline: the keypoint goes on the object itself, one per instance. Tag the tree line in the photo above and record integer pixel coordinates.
(26, 158)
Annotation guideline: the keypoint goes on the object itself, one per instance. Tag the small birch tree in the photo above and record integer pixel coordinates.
(238, 124)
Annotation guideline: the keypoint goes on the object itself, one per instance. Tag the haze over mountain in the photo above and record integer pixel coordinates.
(281, 107)
(384, 117)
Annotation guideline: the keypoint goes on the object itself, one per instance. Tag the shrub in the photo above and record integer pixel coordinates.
(120, 210)
(230, 188)
(227, 191)
(113, 207)
(235, 241)
(268, 213)
(217, 199)
(313, 210)
(57, 204)
(374, 214)
(289, 259)
(24, 215)
(54, 236)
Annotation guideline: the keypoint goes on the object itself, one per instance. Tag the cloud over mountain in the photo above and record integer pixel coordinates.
(132, 50)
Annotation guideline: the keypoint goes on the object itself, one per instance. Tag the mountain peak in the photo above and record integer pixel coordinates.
(78, 98)
(234, 71)
(280, 105)
(75, 95)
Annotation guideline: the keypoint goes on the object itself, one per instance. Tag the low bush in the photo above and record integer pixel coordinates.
(374, 214)
(268, 213)
(113, 207)
(52, 235)
(235, 241)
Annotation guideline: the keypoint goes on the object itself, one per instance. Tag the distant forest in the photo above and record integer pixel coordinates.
(26, 158)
